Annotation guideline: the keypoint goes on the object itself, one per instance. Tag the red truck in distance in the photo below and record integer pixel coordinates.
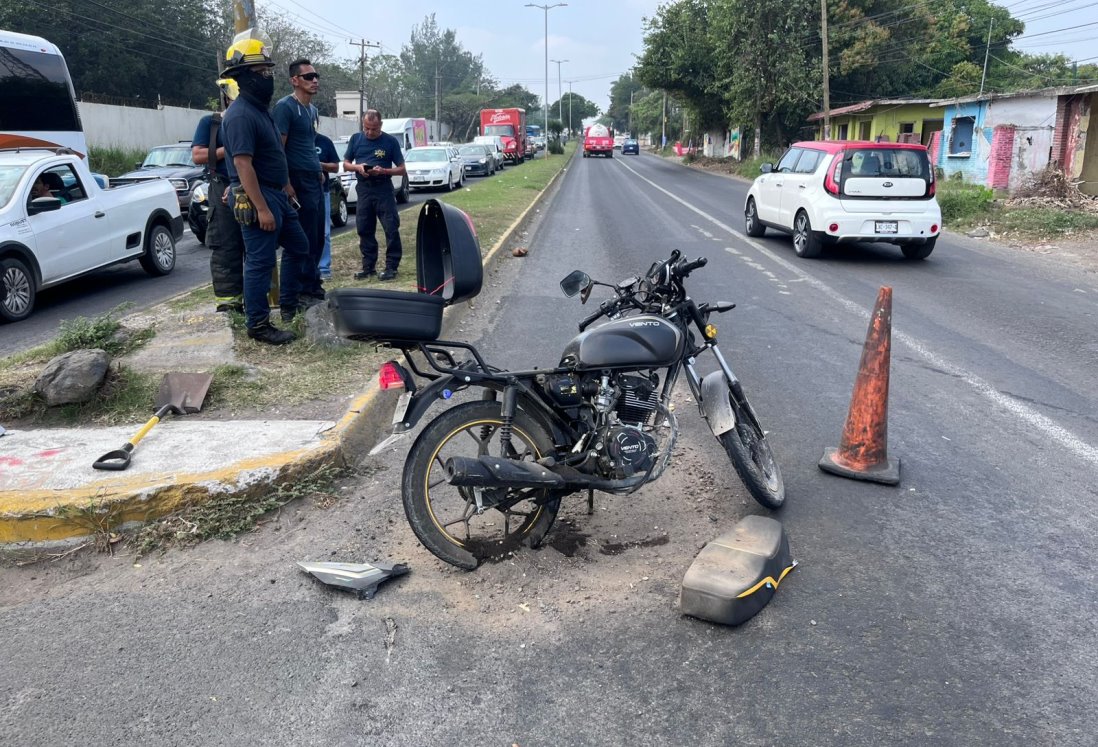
(510, 125)
(598, 140)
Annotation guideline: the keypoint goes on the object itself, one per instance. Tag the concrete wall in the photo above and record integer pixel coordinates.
(972, 163)
(887, 121)
(106, 125)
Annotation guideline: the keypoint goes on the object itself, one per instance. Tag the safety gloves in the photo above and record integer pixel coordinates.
(243, 210)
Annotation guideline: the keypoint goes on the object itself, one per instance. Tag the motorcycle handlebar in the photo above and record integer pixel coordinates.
(585, 323)
(685, 268)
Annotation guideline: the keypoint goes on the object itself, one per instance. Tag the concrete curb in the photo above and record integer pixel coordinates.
(58, 517)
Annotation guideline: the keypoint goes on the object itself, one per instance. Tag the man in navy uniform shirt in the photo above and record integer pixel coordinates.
(375, 156)
(296, 119)
(223, 235)
(262, 198)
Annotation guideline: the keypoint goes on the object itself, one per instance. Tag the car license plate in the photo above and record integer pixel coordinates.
(887, 226)
(418, 179)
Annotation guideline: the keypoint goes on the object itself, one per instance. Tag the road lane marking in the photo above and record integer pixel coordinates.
(1020, 410)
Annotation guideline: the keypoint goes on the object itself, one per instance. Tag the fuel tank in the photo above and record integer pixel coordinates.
(635, 342)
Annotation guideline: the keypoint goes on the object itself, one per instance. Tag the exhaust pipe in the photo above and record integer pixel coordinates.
(496, 472)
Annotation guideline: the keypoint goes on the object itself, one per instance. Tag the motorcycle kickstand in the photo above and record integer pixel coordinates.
(590, 501)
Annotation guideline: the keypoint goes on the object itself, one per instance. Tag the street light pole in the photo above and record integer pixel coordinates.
(546, 8)
(560, 95)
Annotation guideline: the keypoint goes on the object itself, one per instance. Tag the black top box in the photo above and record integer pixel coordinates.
(447, 253)
(448, 270)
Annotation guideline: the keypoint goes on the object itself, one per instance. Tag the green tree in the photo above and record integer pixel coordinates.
(622, 92)
(574, 109)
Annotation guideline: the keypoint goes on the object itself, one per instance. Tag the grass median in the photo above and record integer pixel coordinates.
(263, 378)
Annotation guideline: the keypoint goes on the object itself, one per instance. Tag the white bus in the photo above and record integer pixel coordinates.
(37, 100)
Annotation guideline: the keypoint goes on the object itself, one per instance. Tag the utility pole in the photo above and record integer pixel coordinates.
(570, 130)
(438, 123)
(560, 96)
(631, 113)
(243, 15)
(362, 44)
(826, 72)
(987, 52)
(663, 140)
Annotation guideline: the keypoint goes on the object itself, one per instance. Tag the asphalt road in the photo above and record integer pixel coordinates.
(956, 608)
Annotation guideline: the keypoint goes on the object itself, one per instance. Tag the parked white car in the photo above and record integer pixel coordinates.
(826, 192)
(347, 179)
(68, 226)
(434, 166)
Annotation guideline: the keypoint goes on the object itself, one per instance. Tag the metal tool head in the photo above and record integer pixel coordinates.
(183, 392)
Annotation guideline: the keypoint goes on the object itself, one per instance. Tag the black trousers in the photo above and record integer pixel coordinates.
(377, 205)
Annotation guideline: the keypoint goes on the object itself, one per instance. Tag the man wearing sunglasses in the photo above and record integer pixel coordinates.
(296, 119)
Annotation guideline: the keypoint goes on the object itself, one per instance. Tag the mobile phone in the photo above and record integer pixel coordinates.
(294, 203)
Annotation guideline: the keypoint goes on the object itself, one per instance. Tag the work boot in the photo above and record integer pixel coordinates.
(231, 306)
(289, 312)
(365, 275)
(270, 334)
(387, 275)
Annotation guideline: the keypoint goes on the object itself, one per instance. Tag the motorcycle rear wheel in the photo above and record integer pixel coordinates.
(747, 447)
(444, 516)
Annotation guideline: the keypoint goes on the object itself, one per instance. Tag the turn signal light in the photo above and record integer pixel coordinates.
(392, 375)
(710, 332)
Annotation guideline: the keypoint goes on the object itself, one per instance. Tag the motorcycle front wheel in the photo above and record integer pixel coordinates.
(747, 447)
(444, 517)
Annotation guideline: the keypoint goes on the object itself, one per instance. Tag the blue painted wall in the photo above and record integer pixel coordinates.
(974, 166)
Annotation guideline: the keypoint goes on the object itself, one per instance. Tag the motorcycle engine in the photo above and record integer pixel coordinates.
(628, 451)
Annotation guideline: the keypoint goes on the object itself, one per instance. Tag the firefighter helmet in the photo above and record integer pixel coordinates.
(250, 47)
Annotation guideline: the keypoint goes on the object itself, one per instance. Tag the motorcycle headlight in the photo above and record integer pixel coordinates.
(199, 194)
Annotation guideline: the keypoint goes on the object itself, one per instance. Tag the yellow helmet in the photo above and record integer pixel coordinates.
(249, 47)
(229, 87)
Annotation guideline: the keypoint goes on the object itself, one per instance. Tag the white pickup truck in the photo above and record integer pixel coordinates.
(56, 224)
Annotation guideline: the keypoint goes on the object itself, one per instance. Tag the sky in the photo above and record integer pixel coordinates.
(599, 39)
(1067, 27)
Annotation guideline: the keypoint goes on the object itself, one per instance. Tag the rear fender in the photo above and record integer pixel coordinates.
(715, 405)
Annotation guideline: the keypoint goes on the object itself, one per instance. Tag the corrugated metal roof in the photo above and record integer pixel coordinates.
(864, 105)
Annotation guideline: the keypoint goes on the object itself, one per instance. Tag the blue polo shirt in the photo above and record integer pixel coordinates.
(326, 153)
(295, 121)
(250, 131)
(383, 152)
(202, 139)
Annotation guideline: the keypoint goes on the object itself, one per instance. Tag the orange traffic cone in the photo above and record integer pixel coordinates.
(863, 453)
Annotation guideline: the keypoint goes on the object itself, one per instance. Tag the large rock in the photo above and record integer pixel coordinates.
(320, 327)
(72, 378)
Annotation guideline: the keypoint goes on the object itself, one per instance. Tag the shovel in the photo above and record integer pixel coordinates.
(180, 394)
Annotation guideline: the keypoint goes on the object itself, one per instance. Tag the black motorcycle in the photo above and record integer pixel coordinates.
(488, 474)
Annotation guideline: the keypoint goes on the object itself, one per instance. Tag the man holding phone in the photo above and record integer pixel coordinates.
(375, 156)
(296, 119)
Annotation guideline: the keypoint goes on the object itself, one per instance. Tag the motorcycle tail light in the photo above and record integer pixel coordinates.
(392, 375)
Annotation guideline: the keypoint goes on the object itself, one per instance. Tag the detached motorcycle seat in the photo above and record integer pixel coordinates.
(738, 573)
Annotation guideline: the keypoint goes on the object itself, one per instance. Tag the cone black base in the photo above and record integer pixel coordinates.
(887, 473)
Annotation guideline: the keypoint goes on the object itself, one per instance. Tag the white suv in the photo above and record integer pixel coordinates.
(825, 192)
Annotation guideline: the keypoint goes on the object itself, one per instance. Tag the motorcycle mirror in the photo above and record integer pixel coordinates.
(574, 282)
